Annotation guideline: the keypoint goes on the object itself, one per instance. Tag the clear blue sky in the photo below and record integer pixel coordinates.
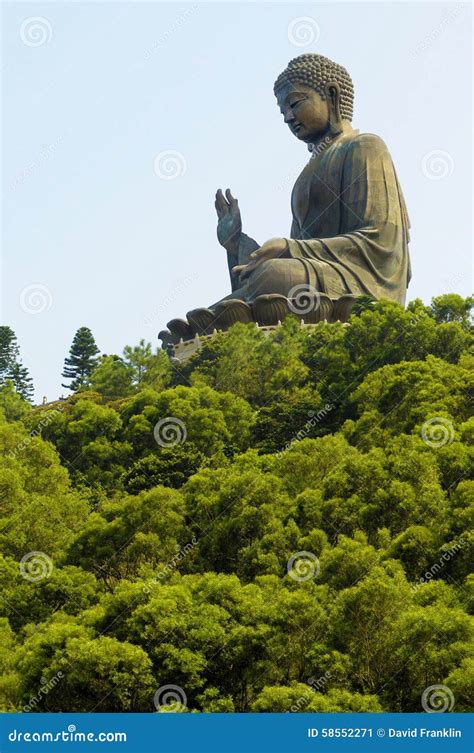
(94, 236)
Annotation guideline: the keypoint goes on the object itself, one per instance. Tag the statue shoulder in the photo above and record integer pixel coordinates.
(367, 142)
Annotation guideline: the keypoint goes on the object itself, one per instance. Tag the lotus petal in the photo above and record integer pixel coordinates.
(201, 321)
(180, 328)
(270, 309)
(232, 311)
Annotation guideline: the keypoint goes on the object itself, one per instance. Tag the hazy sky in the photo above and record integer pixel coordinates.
(101, 229)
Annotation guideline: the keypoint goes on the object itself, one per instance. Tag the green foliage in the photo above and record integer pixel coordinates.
(68, 589)
(112, 378)
(12, 405)
(452, 308)
(39, 509)
(116, 377)
(215, 423)
(283, 524)
(12, 370)
(299, 698)
(247, 519)
(148, 368)
(88, 439)
(461, 683)
(169, 467)
(124, 534)
(94, 673)
(81, 361)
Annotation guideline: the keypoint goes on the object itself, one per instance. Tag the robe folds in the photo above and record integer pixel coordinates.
(350, 226)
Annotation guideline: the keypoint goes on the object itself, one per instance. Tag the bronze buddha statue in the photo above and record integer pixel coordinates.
(350, 229)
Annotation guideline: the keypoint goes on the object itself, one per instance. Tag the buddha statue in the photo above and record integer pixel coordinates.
(350, 229)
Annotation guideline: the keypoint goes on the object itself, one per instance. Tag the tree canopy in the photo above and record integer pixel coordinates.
(282, 524)
(82, 359)
(11, 368)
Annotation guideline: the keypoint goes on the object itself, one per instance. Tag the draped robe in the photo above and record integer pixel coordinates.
(350, 228)
(350, 225)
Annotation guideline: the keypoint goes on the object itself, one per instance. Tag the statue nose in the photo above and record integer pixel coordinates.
(288, 116)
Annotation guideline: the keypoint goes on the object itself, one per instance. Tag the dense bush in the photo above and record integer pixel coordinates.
(284, 523)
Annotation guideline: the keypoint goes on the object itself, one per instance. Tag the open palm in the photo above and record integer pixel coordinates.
(229, 226)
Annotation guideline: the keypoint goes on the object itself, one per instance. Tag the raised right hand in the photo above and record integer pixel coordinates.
(229, 226)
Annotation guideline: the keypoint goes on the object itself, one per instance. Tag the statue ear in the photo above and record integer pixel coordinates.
(333, 93)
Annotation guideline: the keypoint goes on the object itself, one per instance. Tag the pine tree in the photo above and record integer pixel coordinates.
(22, 381)
(11, 367)
(9, 351)
(82, 359)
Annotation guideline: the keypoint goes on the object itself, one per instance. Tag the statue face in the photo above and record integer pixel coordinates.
(305, 111)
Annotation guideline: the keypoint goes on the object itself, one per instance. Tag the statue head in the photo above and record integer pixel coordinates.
(315, 95)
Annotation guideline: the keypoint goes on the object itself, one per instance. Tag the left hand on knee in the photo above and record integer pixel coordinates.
(272, 249)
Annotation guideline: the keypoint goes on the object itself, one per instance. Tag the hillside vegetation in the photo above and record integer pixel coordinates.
(284, 523)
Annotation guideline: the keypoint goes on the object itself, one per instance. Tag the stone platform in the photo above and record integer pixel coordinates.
(185, 336)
